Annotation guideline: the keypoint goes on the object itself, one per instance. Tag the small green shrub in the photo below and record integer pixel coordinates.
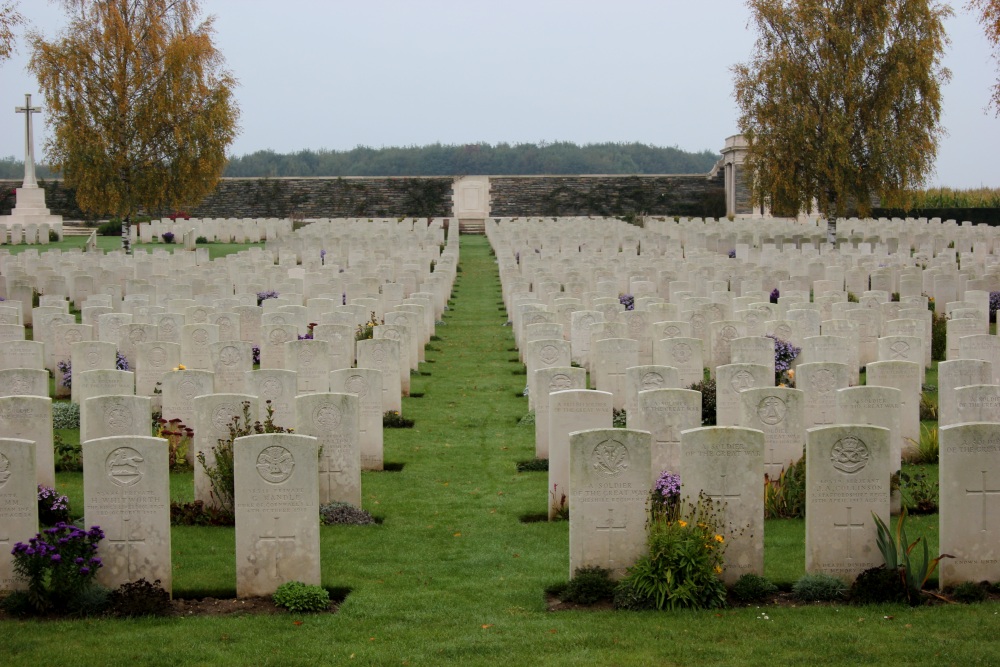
(928, 409)
(618, 418)
(201, 240)
(91, 601)
(340, 513)
(196, 513)
(139, 598)
(919, 492)
(533, 465)
(707, 389)
(968, 592)
(753, 588)
(589, 585)
(65, 414)
(939, 337)
(68, 455)
(527, 420)
(878, 585)
(393, 419)
(296, 596)
(112, 227)
(819, 587)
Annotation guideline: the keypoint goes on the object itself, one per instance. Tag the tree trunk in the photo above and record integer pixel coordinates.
(126, 228)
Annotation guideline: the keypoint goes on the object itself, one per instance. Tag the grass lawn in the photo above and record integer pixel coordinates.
(453, 576)
(110, 243)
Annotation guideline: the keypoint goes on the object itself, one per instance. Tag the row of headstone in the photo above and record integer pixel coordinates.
(127, 495)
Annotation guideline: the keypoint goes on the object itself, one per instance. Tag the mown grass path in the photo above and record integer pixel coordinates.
(453, 577)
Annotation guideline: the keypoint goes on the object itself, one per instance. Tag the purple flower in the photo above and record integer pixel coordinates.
(79, 561)
(84, 570)
(732, 254)
(96, 562)
(56, 558)
(774, 295)
(267, 294)
(668, 485)
(784, 354)
(627, 300)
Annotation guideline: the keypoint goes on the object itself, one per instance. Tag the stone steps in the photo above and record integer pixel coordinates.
(471, 227)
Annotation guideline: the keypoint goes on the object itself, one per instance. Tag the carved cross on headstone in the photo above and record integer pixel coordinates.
(849, 527)
(983, 492)
(617, 380)
(825, 414)
(610, 529)
(724, 497)
(126, 542)
(330, 466)
(275, 540)
(29, 142)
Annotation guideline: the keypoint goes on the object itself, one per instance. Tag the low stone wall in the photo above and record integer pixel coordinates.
(375, 197)
(685, 195)
(328, 198)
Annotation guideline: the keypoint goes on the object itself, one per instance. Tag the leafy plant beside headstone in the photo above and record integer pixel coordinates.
(221, 474)
(897, 553)
(392, 419)
(138, 598)
(919, 492)
(296, 596)
(708, 408)
(588, 586)
(819, 587)
(341, 513)
(682, 567)
(753, 588)
(785, 496)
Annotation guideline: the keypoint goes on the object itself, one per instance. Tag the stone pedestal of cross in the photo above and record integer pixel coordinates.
(610, 529)
(126, 542)
(275, 541)
(850, 528)
(984, 492)
(29, 142)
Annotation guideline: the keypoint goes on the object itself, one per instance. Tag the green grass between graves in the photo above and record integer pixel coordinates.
(453, 577)
(111, 243)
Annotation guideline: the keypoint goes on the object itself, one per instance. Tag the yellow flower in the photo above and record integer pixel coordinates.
(718, 570)
(682, 524)
(719, 538)
(181, 367)
(791, 372)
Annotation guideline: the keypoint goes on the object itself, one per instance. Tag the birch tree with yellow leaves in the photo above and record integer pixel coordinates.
(840, 102)
(140, 105)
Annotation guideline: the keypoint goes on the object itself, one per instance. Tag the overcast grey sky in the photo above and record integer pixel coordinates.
(336, 74)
